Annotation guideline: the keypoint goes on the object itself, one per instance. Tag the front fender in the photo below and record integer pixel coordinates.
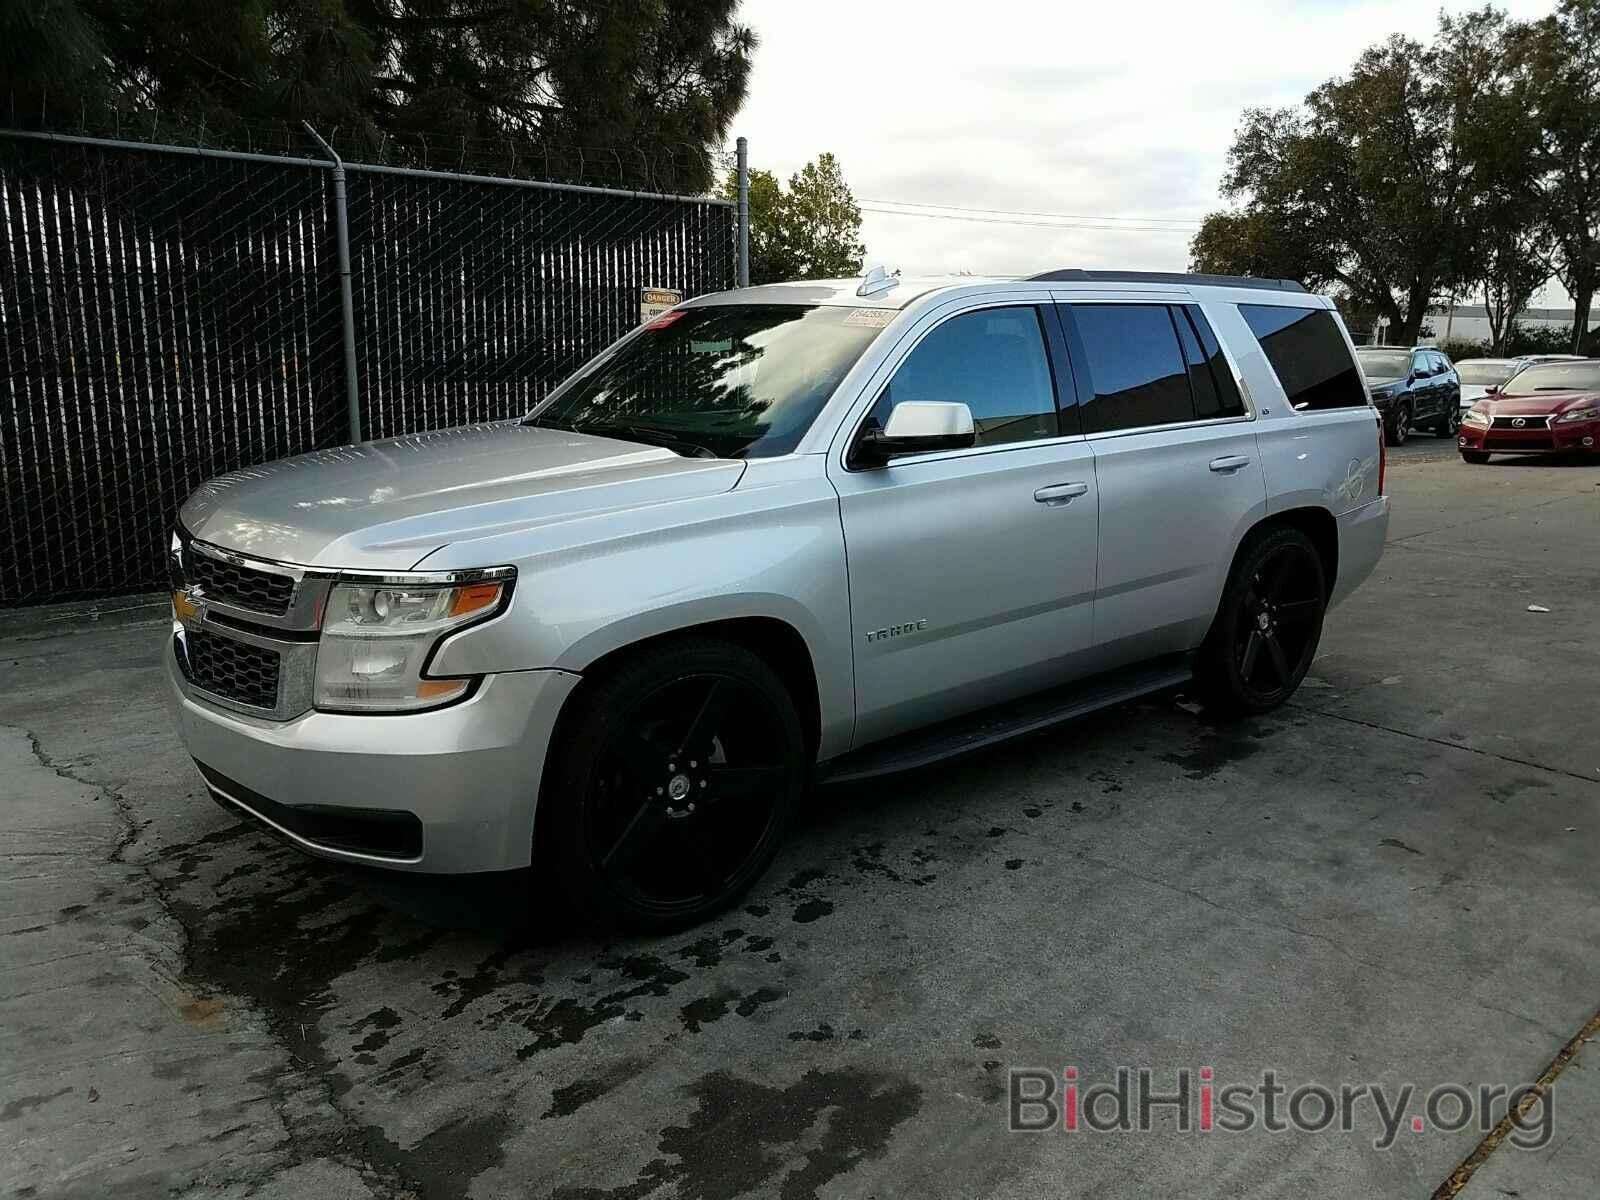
(774, 551)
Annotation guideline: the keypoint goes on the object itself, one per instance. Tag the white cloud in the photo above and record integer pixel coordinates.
(1101, 109)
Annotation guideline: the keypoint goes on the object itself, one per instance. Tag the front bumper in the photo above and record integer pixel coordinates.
(1576, 437)
(468, 774)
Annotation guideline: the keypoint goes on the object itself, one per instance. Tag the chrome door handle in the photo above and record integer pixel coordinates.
(1229, 464)
(1060, 493)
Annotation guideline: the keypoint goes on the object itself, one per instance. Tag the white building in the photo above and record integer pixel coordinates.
(1470, 322)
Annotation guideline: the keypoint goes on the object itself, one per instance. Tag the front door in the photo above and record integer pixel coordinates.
(972, 571)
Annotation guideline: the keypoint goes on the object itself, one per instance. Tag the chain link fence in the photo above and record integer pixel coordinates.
(169, 314)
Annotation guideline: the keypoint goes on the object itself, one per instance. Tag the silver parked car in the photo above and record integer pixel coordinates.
(807, 531)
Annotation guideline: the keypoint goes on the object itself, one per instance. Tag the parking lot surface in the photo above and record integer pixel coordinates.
(1390, 881)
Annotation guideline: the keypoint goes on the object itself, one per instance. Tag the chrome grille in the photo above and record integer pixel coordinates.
(242, 587)
(1527, 422)
(232, 670)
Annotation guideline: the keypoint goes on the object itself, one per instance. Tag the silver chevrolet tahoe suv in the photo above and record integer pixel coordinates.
(794, 533)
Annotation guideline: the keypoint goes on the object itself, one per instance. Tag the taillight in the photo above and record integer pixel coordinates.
(1383, 456)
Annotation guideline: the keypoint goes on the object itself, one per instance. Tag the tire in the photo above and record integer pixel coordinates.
(1398, 427)
(675, 781)
(1475, 457)
(1268, 625)
(1449, 424)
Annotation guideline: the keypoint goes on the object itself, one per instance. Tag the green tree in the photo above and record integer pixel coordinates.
(1503, 250)
(1559, 63)
(1366, 186)
(611, 82)
(771, 258)
(812, 230)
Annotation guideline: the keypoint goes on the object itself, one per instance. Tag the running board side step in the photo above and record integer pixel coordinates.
(1003, 722)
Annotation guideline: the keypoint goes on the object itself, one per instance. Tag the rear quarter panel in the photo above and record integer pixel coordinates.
(1324, 459)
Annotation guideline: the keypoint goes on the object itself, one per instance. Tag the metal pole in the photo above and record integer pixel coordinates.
(742, 276)
(346, 296)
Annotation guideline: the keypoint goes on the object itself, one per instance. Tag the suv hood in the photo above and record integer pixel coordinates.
(387, 505)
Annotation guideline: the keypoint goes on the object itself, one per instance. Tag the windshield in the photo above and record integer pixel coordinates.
(1485, 374)
(1557, 377)
(729, 380)
(1392, 364)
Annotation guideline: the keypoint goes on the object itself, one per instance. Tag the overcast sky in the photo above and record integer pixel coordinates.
(1102, 110)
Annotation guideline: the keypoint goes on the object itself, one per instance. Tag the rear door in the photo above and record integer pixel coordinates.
(1179, 474)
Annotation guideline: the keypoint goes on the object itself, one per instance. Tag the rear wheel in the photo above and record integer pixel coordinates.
(1398, 427)
(1476, 457)
(1267, 629)
(675, 787)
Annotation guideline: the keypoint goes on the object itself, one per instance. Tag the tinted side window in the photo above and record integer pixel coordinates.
(1137, 373)
(1215, 392)
(1308, 352)
(993, 361)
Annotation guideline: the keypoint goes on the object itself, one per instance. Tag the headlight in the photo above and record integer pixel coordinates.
(1476, 415)
(1591, 413)
(376, 640)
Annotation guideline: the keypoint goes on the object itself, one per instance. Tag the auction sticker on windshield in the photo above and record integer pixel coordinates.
(872, 318)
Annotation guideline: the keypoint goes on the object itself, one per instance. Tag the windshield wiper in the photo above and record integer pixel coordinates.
(650, 437)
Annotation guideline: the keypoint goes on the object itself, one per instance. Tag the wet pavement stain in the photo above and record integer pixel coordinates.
(566, 1100)
(811, 910)
(706, 1010)
(707, 951)
(744, 1136)
(756, 999)
(1217, 749)
(822, 1033)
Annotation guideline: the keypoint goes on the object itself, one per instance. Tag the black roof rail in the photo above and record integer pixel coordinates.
(1078, 275)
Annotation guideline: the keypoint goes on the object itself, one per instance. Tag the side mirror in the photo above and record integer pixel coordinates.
(916, 427)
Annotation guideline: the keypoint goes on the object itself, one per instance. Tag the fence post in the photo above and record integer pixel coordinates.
(347, 304)
(742, 271)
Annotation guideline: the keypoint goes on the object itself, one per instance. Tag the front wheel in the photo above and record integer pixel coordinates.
(675, 785)
(1398, 427)
(1268, 626)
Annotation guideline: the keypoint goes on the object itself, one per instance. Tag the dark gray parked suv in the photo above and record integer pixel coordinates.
(1416, 388)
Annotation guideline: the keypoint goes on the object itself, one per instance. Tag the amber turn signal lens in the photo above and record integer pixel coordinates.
(441, 689)
(183, 608)
(474, 598)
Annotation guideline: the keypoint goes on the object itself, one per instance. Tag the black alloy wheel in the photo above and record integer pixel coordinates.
(678, 785)
(1270, 622)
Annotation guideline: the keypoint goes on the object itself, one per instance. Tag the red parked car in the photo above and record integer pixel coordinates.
(1545, 408)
